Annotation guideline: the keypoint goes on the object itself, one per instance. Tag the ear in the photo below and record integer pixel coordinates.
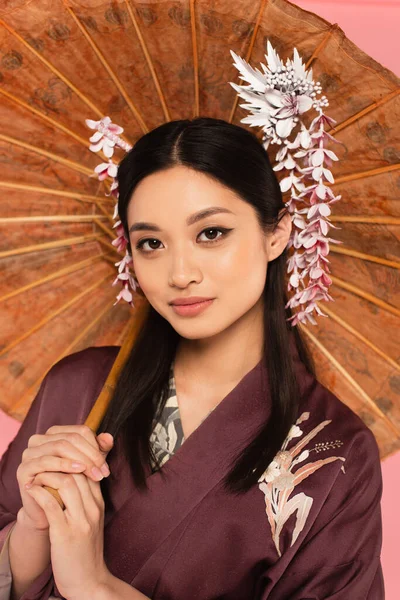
(278, 240)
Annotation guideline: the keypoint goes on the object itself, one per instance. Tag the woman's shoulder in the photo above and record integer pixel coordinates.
(92, 358)
(335, 425)
(73, 384)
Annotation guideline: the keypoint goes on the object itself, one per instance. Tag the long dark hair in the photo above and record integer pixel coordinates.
(233, 156)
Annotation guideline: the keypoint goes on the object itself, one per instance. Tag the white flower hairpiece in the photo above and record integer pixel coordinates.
(276, 99)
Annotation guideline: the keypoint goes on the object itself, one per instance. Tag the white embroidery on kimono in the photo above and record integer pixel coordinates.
(279, 480)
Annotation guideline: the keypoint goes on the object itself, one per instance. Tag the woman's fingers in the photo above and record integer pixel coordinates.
(91, 492)
(72, 446)
(81, 496)
(28, 469)
(67, 448)
(69, 492)
(82, 429)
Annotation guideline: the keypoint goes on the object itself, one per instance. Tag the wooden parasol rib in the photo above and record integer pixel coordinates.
(52, 315)
(109, 70)
(90, 237)
(149, 61)
(106, 213)
(57, 72)
(375, 409)
(60, 273)
(64, 161)
(49, 120)
(54, 219)
(248, 53)
(366, 295)
(363, 256)
(26, 398)
(359, 336)
(54, 192)
(364, 112)
(108, 246)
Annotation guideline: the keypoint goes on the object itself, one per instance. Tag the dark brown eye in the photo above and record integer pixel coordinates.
(212, 230)
(140, 244)
(215, 230)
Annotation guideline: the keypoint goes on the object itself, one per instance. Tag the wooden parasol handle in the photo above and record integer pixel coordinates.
(99, 408)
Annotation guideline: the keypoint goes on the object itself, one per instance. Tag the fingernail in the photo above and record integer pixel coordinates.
(97, 473)
(77, 465)
(105, 470)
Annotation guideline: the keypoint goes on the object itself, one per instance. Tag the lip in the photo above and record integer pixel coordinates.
(191, 300)
(190, 310)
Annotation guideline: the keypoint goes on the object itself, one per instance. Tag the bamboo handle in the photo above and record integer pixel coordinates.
(99, 408)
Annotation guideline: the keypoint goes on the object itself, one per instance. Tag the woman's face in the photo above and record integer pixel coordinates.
(178, 253)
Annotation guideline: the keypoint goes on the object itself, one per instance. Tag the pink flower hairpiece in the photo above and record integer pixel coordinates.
(277, 99)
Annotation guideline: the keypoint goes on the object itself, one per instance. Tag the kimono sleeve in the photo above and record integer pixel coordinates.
(340, 556)
(10, 502)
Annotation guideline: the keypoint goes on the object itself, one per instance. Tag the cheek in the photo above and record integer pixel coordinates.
(239, 263)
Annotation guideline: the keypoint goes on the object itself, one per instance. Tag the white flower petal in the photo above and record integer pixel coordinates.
(113, 170)
(126, 295)
(96, 137)
(272, 57)
(316, 273)
(101, 167)
(254, 120)
(328, 175)
(304, 103)
(91, 124)
(284, 127)
(254, 77)
(274, 97)
(317, 173)
(290, 163)
(331, 154)
(286, 184)
(96, 147)
(312, 211)
(317, 157)
(324, 226)
(108, 150)
(324, 209)
(305, 139)
(321, 191)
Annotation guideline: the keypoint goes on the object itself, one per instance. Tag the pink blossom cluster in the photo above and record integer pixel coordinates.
(105, 139)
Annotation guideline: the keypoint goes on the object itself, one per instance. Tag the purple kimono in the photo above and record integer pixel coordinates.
(310, 529)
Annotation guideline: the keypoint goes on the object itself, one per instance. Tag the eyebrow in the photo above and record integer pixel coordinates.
(202, 214)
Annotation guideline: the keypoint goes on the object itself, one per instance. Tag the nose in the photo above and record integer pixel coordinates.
(183, 269)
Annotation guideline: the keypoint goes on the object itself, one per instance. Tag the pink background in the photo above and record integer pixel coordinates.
(374, 26)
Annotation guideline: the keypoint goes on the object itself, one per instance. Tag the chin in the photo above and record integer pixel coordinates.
(197, 329)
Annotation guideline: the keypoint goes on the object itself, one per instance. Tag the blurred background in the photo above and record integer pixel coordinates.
(374, 26)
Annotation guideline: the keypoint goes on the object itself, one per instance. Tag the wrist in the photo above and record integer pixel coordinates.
(105, 589)
(112, 588)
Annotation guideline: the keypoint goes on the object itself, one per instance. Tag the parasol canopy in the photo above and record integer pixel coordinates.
(142, 64)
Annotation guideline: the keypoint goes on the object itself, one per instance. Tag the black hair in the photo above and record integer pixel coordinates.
(233, 156)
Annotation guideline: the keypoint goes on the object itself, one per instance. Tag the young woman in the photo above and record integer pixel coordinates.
(235, 473)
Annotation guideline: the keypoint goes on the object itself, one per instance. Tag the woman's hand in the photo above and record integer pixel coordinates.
(56, 451)
(76, 533)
